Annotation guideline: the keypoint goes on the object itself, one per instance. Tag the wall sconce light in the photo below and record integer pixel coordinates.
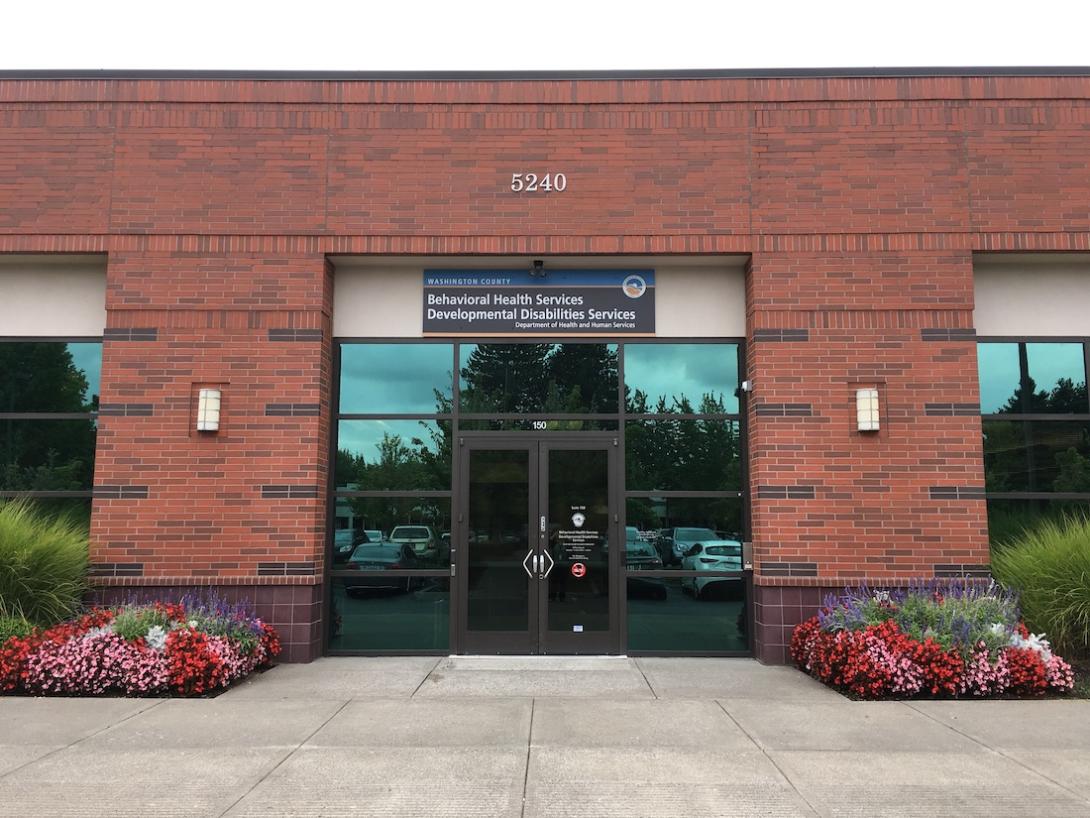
(866, 410)
(208, 410)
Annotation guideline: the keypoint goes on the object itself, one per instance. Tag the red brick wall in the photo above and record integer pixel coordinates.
(860, 201)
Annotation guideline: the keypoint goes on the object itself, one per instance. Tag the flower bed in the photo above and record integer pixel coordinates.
(186, 649)
(929, 641)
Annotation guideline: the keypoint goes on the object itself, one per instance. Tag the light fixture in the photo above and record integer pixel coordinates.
(208, 410)
(866, 410)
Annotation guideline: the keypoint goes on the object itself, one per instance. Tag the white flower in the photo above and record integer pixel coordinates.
(1036, 641)
(998, 629)
(156, 638)
(192, 623)
(99, 631)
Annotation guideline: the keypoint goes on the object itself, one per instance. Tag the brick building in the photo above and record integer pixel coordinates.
(779, 262)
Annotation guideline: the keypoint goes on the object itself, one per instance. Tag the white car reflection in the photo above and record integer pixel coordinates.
(713, 556)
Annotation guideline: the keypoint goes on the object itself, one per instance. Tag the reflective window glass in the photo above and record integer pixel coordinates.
(391, 533)
(538, 425)
(685, 378)
(1036, 456)
(49, 376)
(662, 533)
(398, 455)
(525, 378)
(1009, 519)
(385, 613)
(396, 378)
(1022, 378)
(47, 455)
(687, 614)
(683, 455)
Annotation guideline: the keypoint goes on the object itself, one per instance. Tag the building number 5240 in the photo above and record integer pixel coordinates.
(532, 183)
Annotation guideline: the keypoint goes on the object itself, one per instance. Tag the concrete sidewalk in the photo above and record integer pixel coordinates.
(541, 737)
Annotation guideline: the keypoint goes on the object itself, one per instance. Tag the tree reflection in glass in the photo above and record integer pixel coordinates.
(46, 377)
(538, 378)
(393, 455)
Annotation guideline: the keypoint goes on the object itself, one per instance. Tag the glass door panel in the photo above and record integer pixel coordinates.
(500, 594)
(537, 554)
(579, 523)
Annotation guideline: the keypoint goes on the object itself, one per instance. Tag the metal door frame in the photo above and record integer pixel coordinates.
(537, 444)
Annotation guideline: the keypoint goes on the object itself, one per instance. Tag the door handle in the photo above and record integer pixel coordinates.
(549, 570)
(527, 567)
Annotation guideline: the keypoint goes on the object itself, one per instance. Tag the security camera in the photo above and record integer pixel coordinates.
(538, 268)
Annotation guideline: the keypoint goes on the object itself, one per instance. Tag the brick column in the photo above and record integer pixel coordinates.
(831, 505)
(241, 510)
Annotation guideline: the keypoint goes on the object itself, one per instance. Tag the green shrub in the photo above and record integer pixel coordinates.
(134, 622)
(13, 626)
(43, 564)
(1050, 568)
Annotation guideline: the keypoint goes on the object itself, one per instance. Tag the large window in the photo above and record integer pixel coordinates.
(48, 408)
(675, 409)
(1036, 425)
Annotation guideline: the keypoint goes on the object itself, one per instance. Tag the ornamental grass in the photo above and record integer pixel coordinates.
(43, 566)
(1049, 565)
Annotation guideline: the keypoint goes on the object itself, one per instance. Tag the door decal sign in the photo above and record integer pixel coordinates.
(578, 570)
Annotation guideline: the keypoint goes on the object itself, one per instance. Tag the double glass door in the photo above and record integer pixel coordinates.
(538, 556)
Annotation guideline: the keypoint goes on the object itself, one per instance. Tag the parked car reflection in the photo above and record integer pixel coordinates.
(640, 555)
(381, 556)
(345, 541)
(674, 543)
(713, 556)
(423, 542)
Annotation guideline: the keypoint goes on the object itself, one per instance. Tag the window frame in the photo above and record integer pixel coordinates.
(1038, 417)
(621, 416)
(7, 494)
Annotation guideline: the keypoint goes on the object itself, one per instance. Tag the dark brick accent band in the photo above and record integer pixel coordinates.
(295, 335)
(947, 334)
(954, 569)
(956, 492)
(289, 492)
(292, 409)
(120, 492)
(789, 569)
(130, 334)
(790, 410)
(952, 409)
(781, 335)
(144, 410)
(116, 569)
(286, 569)
(786, 492)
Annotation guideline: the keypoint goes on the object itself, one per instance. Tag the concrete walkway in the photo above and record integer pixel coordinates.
(541, 737)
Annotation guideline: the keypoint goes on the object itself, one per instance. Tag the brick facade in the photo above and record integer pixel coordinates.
(859, 200)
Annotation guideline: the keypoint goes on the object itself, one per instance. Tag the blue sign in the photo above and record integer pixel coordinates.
(539, 302)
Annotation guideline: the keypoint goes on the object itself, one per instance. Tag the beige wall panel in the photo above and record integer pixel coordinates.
(1032, 294)
(50, 296)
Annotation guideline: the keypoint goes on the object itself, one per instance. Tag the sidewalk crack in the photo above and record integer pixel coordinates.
(85, 738)
(280, 763)
(998, 752)
(426, 677)
(771, 760)
(529, 744)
